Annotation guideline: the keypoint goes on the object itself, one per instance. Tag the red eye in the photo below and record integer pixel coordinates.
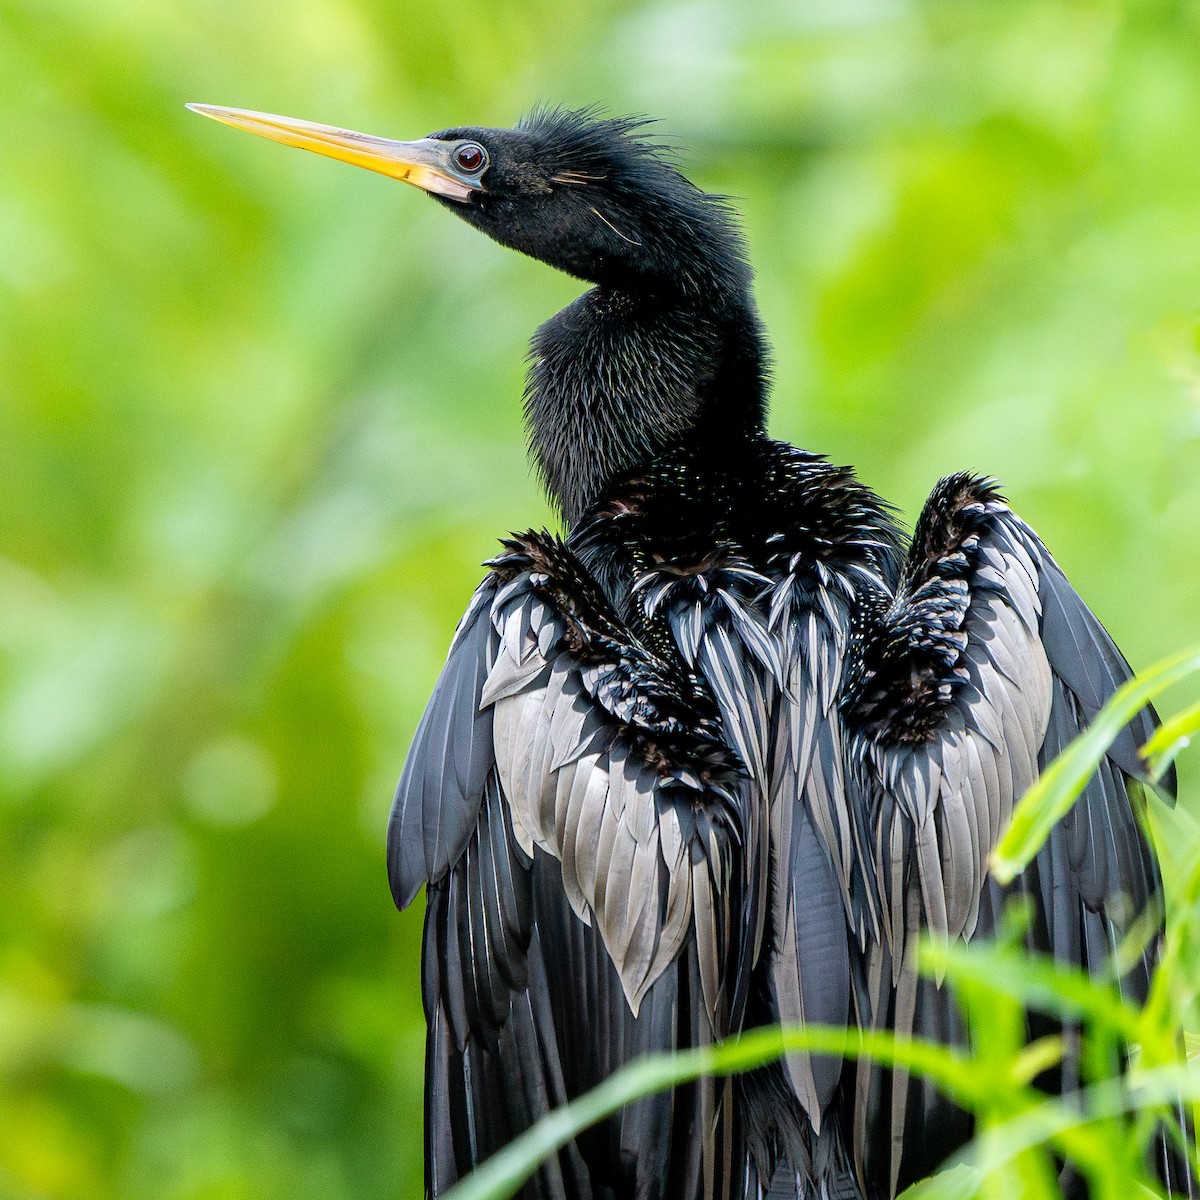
(470, 157)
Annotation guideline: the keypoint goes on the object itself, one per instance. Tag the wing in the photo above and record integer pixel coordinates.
(440, 794)
(578, 816)
(961, 686)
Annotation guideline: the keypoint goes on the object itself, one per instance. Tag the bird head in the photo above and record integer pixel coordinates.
(586, 193)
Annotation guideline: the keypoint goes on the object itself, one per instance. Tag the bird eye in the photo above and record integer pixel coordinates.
(470, 157)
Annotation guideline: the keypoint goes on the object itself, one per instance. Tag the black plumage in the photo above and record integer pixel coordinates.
(715, 759)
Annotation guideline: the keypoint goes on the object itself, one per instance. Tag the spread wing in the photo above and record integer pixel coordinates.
(961, 686)
(579, 819)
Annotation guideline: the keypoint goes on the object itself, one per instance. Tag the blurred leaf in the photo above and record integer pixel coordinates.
(1060, 785)
(1170, 739)
(955, 1183)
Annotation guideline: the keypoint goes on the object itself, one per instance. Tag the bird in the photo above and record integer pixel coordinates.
(715, 753)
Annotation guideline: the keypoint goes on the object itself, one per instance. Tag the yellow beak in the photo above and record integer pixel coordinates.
(426, 164)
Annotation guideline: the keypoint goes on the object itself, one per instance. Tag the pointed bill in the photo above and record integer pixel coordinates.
(426, 164)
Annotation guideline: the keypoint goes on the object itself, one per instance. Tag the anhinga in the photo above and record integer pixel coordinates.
(714, 759)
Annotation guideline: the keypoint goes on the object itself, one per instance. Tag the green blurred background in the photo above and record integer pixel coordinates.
(260, 423)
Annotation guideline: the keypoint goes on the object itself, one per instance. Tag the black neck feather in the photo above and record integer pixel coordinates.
(620, 376)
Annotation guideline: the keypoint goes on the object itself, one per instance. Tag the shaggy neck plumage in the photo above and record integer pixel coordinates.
(622, 375)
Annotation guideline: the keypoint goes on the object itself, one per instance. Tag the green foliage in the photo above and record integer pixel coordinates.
(1049, 800)
(260, 423)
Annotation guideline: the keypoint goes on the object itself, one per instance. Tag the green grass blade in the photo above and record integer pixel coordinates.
(1050, 1120)
(1037, 981)
(1170, 739)
(503, 1173)
(954, 1183)
(1048, 801)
